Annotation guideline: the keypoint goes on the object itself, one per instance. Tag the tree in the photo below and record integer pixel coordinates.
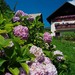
(4, 6)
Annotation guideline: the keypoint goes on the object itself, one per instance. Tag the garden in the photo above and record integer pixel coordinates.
(27, 49)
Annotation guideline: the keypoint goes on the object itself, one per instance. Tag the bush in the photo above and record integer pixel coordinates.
(69, 36)
(26, 49)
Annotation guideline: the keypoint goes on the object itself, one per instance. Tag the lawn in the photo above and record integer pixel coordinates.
(68, 48)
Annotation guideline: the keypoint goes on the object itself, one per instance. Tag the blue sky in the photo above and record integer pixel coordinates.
(46, 7)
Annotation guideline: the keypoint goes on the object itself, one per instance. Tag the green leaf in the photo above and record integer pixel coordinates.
(3, 31)
(64, 66)
(25, 67)
(1, 19)
(14, 71)
(2, 61)
(9, 27)
(48, 54)
(4, 42)
(9, 51)
(2, 69)
(37, 18)
(1, 40)
(25, 49)
(18, 40)
(19, 59)
(16, 23)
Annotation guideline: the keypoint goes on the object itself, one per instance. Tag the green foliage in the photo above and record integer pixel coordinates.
(4, 43)
(14, 71)
(1, 61)
(68, 48)
(17, 50)
(25, 67)
(1, 19)
(69, 36)
(4, 7)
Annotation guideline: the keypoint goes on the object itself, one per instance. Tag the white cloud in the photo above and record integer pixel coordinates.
(72, 2)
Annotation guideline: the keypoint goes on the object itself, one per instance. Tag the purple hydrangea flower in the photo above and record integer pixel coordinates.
(40, 59)
(21, 31)
(37, 51)
(16, 19)
(59, 55)
(42, 69)
(8, 73)
(47, 37)
(20, 13)
(41, 65)
(47, 60)
(60, 58)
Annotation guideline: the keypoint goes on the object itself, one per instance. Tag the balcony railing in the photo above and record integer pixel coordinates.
(66, 18)
(67, 26)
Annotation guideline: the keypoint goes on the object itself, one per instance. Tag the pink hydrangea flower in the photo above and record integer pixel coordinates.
(57, 52)
(37, 51)
(47, 37)
(8, 73)
(47, 60)
(15, 19)
(42, 65)
(41, 69)
(21, 31)
(20, 13)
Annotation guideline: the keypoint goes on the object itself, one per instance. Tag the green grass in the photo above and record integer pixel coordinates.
(68, 48)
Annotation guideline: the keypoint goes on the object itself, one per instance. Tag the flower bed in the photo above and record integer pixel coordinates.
(26, 49)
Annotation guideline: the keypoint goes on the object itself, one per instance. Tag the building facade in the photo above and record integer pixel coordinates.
(62, 20)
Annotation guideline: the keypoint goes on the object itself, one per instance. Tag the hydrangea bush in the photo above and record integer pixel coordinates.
(26, 48)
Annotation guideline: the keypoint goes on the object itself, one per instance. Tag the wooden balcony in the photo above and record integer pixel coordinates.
(64, 27)
(66, 18)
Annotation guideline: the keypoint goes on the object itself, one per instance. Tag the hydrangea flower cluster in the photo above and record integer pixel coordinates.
(16, 19)
(60, 58)
(59, 55)
(42, 65)
(37, 51)
(57, 52)
(42, 69)
(8, 73)
(20, 13)
(47, 37)
(21, 31)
